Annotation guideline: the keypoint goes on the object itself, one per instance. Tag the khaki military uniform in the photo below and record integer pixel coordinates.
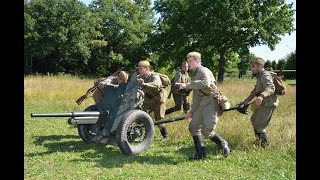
(155, 95)
(204, 105)
(133, 77)
(262, 115)
(98, 93)
(180, 97)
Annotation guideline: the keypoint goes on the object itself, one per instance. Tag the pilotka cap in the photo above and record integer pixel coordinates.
(144, 64)
(258, 60)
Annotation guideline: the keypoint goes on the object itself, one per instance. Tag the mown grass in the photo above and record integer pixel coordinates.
(53, 149)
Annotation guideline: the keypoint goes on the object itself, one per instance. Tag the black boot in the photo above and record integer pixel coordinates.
(164, 132)
(169, 111)
(200, 149)
(256, 135)
(223, 144)
(263, 139)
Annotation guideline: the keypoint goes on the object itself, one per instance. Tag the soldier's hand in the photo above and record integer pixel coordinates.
(259, 100)
(242, 108)
(188, 116)
(241, 104)
(140, 80)
(181, 85)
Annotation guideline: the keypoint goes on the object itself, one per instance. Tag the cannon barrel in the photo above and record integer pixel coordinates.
(83, 120)
(70, 114)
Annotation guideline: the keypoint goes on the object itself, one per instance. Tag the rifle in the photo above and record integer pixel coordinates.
(93, 88)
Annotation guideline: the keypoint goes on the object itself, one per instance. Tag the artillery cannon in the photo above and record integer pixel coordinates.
(118, 120)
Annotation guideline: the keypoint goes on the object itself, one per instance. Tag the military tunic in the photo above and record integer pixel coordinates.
(180, 97)
(204, 106)
(98, 93)
(155, 95)
(265, 87)
(133, 77)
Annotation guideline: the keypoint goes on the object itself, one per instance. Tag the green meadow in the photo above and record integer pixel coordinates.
(54, 150)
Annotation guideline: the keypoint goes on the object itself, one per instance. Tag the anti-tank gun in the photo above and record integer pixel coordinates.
(118, 120)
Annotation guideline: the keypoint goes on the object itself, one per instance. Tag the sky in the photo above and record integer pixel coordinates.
(285, 47)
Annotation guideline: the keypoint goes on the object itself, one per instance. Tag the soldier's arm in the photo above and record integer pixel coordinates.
(176, 81)
(250, 97)
(154, 86)
(203, 83)
(268, 85)
(177, 78)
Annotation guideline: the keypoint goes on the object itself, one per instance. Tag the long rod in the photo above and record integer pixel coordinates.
(170, 120)
(70, 114)
(179, 118)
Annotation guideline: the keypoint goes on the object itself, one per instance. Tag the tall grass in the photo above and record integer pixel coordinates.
(53, 149)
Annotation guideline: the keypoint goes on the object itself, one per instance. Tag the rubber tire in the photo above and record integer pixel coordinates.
(84, 130)
(121, 135)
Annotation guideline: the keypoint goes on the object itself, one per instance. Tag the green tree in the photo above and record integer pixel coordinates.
(220, 27)
(127, 24)
(290, 65)
(59, 34)
(281, 64)
(274, 64)
(268, 64)
(29, 36)
(244, 64)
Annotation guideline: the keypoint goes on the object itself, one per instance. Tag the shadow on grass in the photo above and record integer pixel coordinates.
(154, 156)
(65, 143)
(109, 156)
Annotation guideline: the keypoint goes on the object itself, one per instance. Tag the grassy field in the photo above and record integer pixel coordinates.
(54, 150)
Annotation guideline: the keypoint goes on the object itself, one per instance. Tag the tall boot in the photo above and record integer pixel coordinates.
(256, 135)
(223, 144)
(169, 111)
(164, 132)
(263, 139)
(200, 149)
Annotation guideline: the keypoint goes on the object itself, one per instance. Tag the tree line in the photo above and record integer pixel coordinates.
(66, 36)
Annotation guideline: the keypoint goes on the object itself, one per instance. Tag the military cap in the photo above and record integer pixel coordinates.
(144, 64)
(193, 54)
(123, 76)
(258, 60)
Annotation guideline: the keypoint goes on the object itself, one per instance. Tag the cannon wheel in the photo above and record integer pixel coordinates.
(135, 132)
(84, 130)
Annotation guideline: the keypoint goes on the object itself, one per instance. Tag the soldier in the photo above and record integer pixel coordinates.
(121, 77)
(180, 96)
(266, 100)
(155, 94)
(204, 107)
(134, 75)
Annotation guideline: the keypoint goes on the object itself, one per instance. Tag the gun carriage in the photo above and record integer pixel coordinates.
(118, 120)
